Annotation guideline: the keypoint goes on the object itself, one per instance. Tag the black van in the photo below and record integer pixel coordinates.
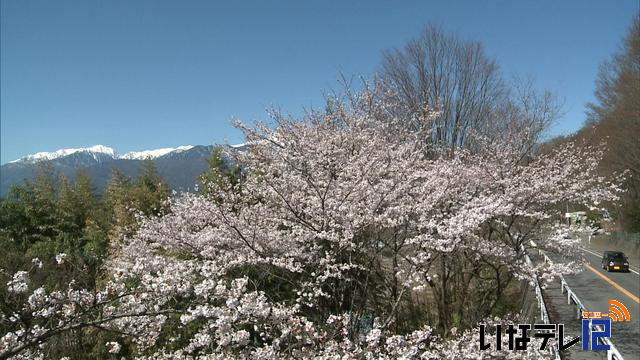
(615, 261)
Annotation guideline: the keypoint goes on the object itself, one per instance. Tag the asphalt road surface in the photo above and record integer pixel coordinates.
(595, 287)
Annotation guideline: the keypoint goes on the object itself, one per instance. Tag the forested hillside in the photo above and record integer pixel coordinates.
(614, 119)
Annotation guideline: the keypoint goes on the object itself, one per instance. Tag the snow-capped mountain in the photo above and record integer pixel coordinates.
(94, 150)
(180, 166)
(152, 154)
(99, 152)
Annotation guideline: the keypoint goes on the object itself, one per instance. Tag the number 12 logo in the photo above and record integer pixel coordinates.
(587, 327)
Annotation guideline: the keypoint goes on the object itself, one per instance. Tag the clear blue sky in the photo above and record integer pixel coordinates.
(138, 75)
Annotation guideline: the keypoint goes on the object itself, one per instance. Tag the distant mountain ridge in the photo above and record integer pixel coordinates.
(179, 166)
(100, 151)
(152, 154)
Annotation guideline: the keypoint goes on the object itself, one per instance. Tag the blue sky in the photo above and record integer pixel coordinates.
(138, 75)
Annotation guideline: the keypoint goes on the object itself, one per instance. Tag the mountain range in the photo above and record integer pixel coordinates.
(179, 166)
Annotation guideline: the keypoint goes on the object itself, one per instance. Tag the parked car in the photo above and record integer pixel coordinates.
(615, 261)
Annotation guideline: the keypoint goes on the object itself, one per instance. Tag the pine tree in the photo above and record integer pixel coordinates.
(69, 212)
(125, 198)
(118, 205)
(88, 200)
(150, 191)
(38, 199)
(219, 173)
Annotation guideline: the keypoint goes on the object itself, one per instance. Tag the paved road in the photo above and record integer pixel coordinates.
(595, 287)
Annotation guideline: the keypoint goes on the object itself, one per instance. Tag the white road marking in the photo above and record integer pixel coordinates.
(600, 256)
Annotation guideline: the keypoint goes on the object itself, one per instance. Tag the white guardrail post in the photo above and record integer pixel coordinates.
(544, 315)
(612, 353)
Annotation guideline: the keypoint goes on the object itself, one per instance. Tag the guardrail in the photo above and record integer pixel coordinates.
(612, 353)
(544, 315)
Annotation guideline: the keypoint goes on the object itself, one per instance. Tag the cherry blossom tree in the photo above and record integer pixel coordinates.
(341, 221)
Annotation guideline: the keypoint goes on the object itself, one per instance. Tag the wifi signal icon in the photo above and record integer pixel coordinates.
(617, 311)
